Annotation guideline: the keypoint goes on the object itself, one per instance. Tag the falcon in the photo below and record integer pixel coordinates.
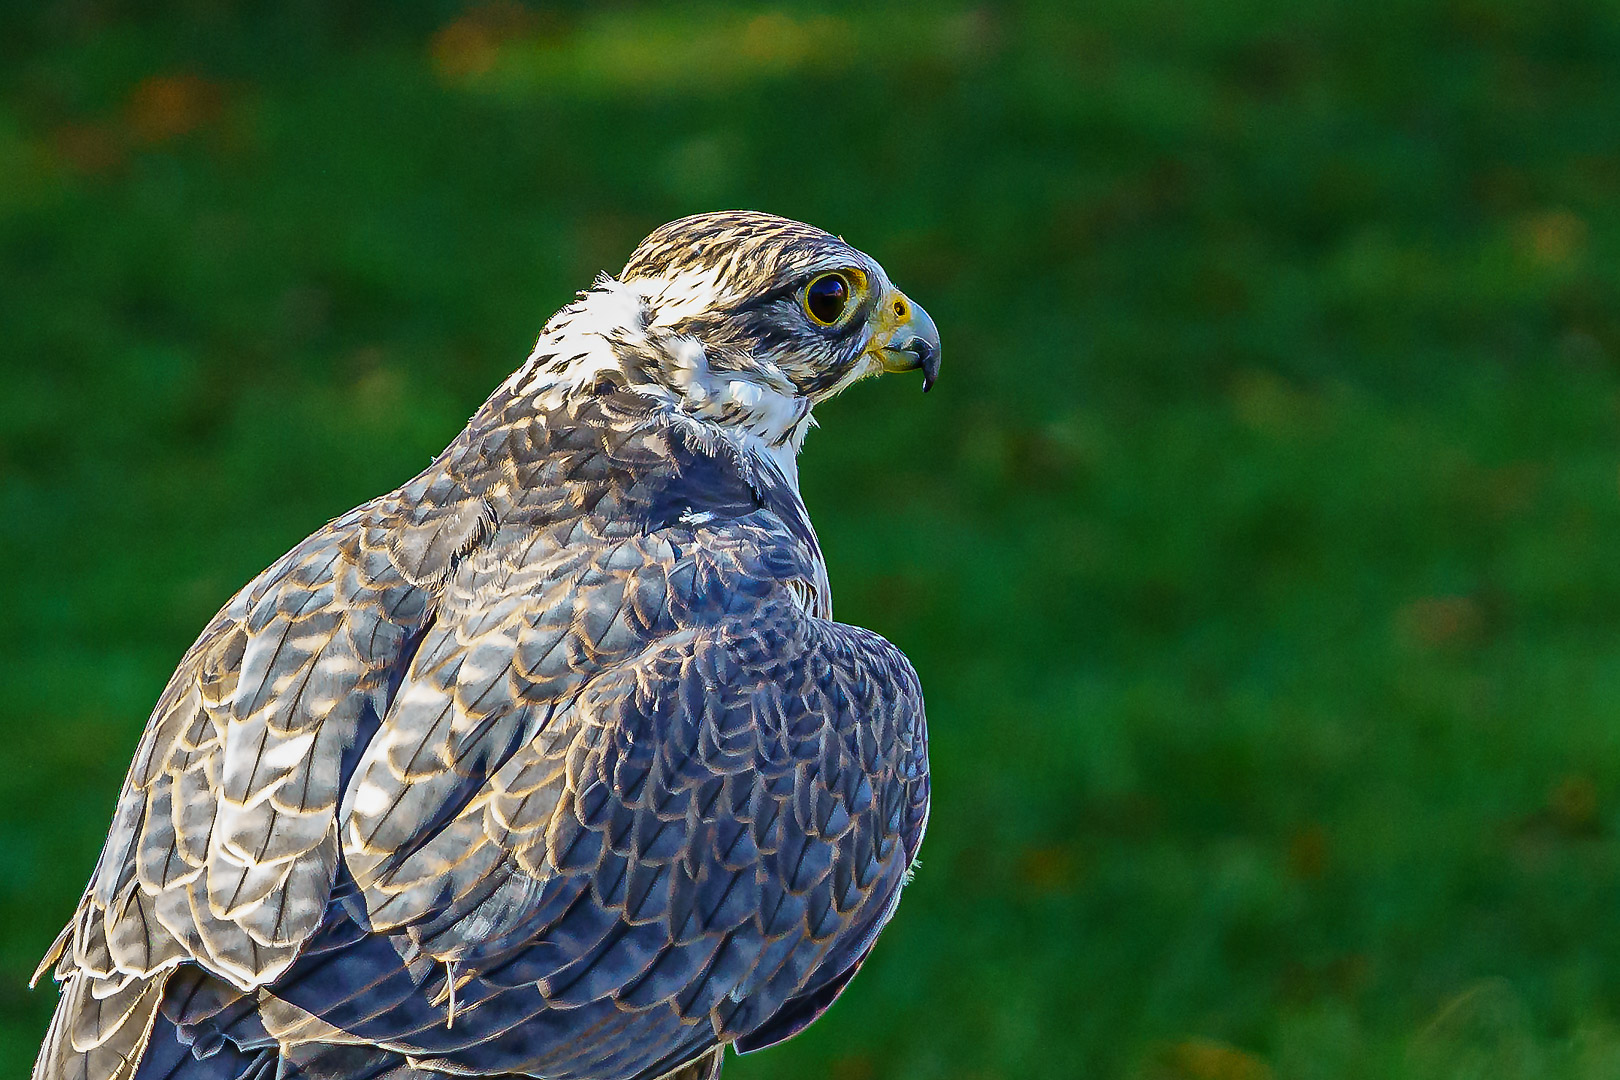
(551, 762)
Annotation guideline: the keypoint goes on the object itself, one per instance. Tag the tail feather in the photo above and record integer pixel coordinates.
(99, 1032)
(706, 1067)
(188, 1042)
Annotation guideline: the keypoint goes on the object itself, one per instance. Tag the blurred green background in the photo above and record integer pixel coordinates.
(1259, 548)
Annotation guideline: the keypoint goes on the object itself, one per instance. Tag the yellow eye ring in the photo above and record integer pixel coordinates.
(829, 298)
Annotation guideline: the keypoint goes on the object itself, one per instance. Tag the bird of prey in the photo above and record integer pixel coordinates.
(551, 762)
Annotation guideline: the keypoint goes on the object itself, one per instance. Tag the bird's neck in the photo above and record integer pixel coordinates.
(604, 341)
(759, 414)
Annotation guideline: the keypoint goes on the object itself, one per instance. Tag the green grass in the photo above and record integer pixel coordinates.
(1258, 547)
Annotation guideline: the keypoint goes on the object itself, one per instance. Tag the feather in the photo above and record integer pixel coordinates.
(550, 761)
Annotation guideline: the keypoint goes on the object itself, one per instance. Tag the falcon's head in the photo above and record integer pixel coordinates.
(742, 319)
(765, 294)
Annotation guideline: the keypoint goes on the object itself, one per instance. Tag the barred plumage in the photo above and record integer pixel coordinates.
(550, 762)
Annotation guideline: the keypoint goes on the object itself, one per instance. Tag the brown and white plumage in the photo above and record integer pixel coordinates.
(550, 762)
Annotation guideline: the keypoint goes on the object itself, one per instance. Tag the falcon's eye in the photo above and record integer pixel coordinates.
(827, 297)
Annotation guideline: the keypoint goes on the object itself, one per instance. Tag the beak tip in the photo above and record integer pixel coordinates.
(928, 360)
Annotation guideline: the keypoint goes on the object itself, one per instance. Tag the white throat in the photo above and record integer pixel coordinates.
(759, 411)
(762, 415)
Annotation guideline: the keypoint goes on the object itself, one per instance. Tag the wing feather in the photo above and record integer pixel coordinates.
(562, 787)
(708, 796)
(224, 844)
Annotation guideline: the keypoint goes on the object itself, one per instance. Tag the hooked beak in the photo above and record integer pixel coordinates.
(907, 339)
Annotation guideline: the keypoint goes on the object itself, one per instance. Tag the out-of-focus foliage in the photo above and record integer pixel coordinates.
(1259, 548)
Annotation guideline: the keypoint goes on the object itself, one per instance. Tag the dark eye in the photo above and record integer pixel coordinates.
(826, 297)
